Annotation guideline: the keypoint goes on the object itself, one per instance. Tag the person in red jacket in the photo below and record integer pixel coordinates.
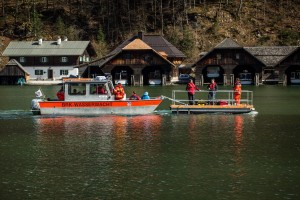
(191, 88)
(237, 91)
(212, 87)
(60, 94)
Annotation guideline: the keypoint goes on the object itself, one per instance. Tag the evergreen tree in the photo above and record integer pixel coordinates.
(60, 27)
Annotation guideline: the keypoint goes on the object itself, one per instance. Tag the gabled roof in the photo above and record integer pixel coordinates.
(47, 48)
(271, 55)
(13, 62)
(136, 44)
(227, 43)
(156, 42)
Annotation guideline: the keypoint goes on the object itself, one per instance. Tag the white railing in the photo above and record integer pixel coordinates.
(201, 97)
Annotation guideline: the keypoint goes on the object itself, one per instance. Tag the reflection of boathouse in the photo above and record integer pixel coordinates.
(253, 65)
(140, 60)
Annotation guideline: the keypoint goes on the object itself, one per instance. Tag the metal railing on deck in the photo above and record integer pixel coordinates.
(221, 96)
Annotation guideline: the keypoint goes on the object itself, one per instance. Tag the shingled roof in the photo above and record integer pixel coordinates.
(227, 43)
(46, 48)
(271, 55)
(157, 42)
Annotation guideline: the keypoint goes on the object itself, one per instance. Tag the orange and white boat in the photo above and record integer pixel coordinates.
(83, 97)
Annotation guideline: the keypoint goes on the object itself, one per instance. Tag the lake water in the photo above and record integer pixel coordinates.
(157, 156)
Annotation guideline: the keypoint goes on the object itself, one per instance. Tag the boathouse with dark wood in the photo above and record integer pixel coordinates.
(13, 73)
(289, 68)
(227, 61)
(253, 65)
(140, 60)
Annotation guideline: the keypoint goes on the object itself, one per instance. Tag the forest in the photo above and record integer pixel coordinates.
(193, 26)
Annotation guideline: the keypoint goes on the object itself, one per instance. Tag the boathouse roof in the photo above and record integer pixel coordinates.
(227, 43)
(45, 48)
(271, 55)
(156, 42)
(12, 63)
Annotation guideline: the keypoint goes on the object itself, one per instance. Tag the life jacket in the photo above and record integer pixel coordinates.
(212, 86)
(237, 88)
(60, 95)
(119, 92)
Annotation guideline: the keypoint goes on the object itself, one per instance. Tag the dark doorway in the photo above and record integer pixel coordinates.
(122, 74)
(50, 73)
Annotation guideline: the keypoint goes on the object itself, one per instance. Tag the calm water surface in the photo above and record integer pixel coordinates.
(157, 156)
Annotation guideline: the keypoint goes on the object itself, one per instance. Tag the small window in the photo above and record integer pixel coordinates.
(219, 56)
(77, 89)
(98, 89)
(64, 72)
(237, 56)
(44, 59)
(22, 59)
(64, 59)
(38, 72)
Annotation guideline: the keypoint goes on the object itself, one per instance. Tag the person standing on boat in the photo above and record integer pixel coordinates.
(60, 94)
(212, 87)
(237, 91)
(191, 88)
(119, 92)
(134, 96)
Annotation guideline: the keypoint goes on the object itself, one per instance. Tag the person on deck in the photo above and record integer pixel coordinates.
(100, 90)
(60, 94)
(134, 96)
(237, 91)
(191, 88)
(145, 96)
(119, 92)
(212, 87)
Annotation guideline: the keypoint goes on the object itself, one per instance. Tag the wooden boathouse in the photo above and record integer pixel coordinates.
(12, 73)
(253, 65)
(140, 60)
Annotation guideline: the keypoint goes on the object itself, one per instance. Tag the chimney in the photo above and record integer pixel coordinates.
(58, 41)
(40, 41)
(141, 35)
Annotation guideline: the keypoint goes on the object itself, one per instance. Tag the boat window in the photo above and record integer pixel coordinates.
(97, 89)
(77, 89)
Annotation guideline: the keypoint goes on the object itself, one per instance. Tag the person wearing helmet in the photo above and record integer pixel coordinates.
(145, 96)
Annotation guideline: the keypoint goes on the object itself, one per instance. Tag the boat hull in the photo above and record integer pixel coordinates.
(201, 109)
(127, 107)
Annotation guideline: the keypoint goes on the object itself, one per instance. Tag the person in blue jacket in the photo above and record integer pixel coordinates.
(145, 96)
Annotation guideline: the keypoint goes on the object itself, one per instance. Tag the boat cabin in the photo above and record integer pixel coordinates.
(86, 89)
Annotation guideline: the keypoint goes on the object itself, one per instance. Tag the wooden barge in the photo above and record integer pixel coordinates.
(223, 103)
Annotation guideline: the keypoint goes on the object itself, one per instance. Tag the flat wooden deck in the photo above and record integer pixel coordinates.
(198, 109)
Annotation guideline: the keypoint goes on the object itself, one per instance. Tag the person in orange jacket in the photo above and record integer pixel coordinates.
(119, 92)
(237, 91)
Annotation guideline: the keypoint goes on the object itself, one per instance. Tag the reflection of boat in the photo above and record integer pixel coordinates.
(121, 77)
(246, 78)
(224, 103)
(213, 72)
(155, 78)
(81, 97)
(295, 77)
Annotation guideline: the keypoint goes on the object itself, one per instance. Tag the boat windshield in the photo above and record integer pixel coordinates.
(77, 89)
